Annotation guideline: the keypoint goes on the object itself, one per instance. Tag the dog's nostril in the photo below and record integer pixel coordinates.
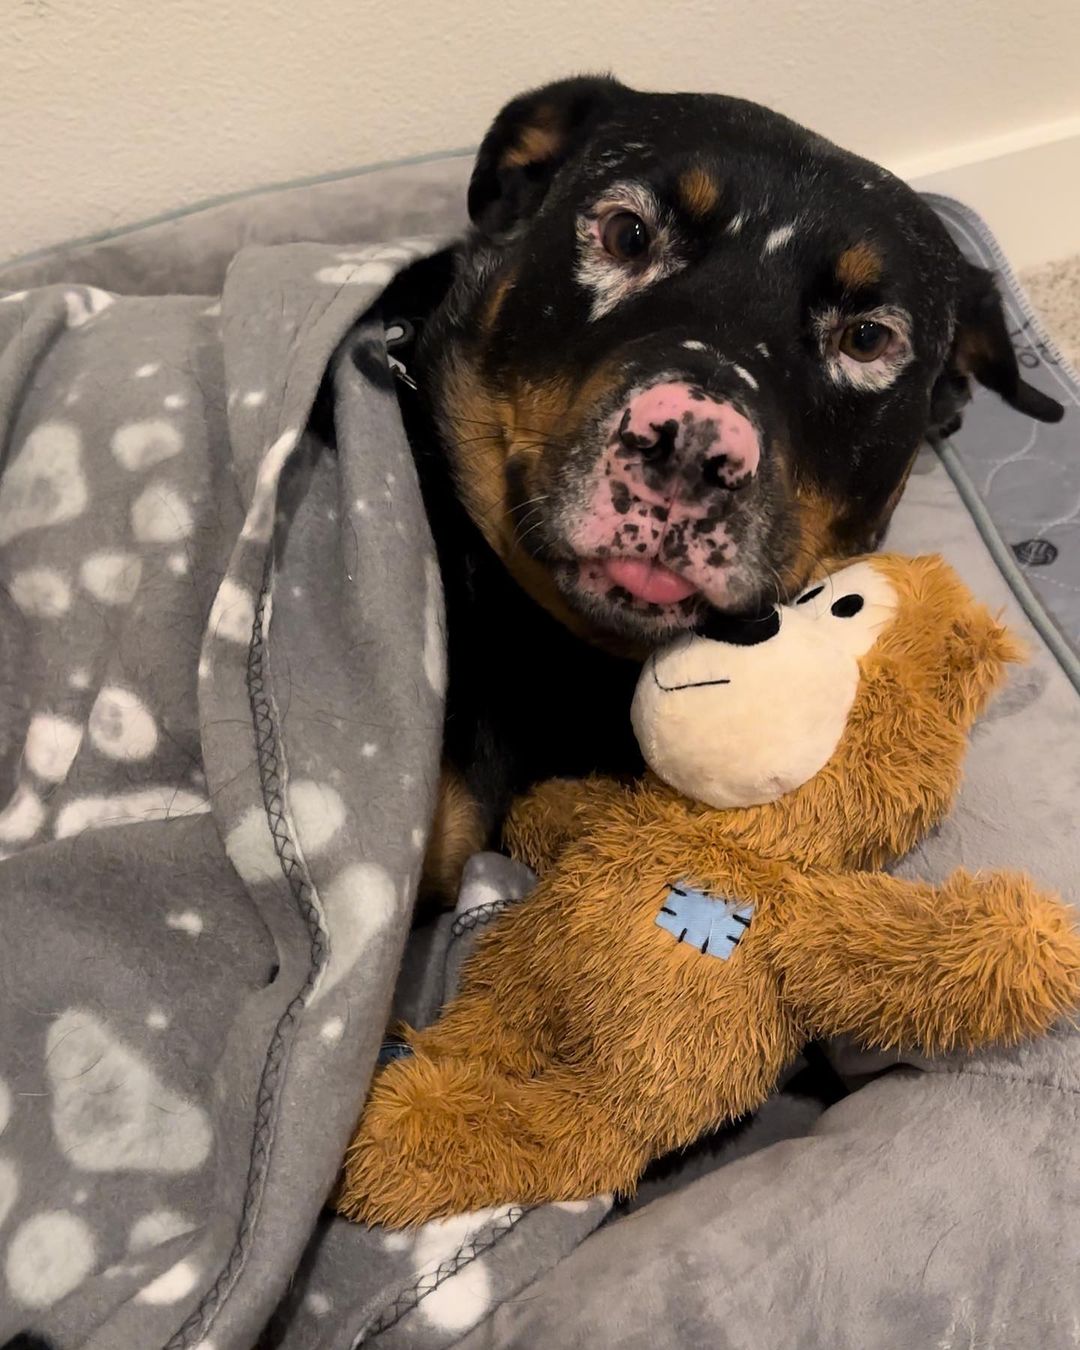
(658, 443)
(723, 472)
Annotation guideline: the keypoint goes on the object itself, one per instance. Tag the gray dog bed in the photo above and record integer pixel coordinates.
(221, 668)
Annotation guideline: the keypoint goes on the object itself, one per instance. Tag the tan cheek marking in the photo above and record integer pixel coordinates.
(492, 306)
(698, 191)
(859, 266)
(817, 546)
(485, 430)
(457, 832)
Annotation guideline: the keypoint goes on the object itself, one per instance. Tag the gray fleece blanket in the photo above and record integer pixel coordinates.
(221, 677)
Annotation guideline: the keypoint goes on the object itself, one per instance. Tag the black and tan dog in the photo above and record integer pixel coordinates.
(689, 350)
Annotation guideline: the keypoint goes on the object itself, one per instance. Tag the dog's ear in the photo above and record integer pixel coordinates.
(529, 141)
(982, 348)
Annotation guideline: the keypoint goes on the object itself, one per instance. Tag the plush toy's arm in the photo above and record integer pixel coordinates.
(981, 959)
(541, 824)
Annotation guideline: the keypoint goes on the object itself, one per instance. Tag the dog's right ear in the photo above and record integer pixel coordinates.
(983, 348)
(529, 141)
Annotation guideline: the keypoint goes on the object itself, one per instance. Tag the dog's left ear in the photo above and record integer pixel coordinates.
(529, 141)
(982, 348)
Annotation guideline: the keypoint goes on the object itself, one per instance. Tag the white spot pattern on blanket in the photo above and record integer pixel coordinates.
(318, 813)
(44, 483)
(149, 368)
(254, 398)
(157, 1019)
(49, 1256)
(157, 1227)
(359, 904)
(52, 743)
(172, 1285)
(332, 1030)
(23, 816)
(185, 921)
(110, 1110)
(112, 578)
(434, 632)
(318, 1303)
(232, 615)
(141, 445)
(81, 308)
(159, 515)
(175, 401)
(79, 678)
(259, 523)
(41, 592)
(121, 726)
(9, 1188)
(250, 847)
(462, 1299)
(178, 564)
(125, 808)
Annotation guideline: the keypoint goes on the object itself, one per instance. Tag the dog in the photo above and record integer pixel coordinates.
(688, 351)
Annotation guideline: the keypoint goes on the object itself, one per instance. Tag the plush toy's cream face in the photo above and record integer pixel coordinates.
(742, 718)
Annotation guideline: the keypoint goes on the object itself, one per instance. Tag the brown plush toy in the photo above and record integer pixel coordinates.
(691, 932)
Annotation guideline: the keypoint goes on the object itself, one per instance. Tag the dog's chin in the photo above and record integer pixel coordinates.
(614, 610)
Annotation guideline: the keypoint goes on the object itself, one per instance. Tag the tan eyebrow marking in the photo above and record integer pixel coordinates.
(859, 265)
(698, 191)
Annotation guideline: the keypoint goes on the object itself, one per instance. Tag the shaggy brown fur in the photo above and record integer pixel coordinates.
(586, 1041)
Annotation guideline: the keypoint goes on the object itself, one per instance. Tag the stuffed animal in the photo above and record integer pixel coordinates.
(691, 932)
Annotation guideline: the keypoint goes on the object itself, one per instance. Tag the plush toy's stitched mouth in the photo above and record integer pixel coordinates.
(675, 688)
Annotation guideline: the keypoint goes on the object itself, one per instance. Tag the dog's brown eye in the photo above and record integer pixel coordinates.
(865, 340)
(625, 236)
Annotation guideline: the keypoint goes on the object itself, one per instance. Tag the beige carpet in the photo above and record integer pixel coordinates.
(1055, 292)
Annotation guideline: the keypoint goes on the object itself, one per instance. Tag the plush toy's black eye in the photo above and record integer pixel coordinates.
(847, 606)
(809, 595)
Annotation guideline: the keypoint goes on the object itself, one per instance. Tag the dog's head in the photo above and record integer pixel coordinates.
(691, 351)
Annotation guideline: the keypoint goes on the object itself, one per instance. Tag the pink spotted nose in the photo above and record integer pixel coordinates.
(678, 421)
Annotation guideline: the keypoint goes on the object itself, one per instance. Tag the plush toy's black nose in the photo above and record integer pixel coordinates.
(741, 630)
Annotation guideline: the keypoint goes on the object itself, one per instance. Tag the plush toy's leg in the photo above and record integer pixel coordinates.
(450, 1137)
(444, 1136)
(980, 959)
(433, 1140)
(474, 1027)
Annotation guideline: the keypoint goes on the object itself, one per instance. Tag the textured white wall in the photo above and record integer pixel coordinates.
(113, 110)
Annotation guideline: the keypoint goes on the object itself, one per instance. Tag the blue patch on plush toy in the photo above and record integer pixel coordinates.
(713, 924)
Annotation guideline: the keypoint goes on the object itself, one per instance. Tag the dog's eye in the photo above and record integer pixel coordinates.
(625, 236)
(865, 340)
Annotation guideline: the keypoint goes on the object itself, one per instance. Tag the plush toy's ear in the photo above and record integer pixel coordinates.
(982, 349)
(529, 141)
(973, 661)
